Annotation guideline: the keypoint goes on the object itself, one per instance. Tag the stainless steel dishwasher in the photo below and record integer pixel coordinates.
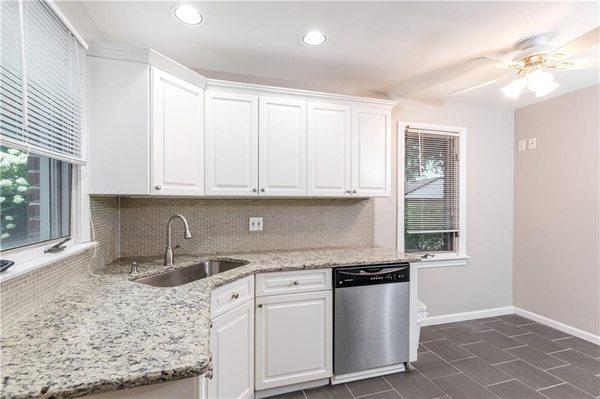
(371, 316)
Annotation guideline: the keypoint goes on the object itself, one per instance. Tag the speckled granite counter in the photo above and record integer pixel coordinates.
(108, 333)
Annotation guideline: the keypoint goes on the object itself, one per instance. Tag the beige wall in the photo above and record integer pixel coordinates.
(486, 282)
(557, 230)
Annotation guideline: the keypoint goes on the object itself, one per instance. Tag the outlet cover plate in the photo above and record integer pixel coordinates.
(255, 223)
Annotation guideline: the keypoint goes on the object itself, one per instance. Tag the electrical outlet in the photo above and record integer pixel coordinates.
(532, 143)
(522, 145)
(255, 224)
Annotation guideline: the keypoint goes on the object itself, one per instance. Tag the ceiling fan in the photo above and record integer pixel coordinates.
(532, 65)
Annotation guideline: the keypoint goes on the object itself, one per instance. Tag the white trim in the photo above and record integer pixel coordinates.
(26, 266)
(363, 374)
(216, 84)
(460, 258)
(477, 314)
(595, 339)
(444, 261)
(145, 56)
(265, 393)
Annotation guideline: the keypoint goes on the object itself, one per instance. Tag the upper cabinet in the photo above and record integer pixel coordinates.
(154, 130)
(145, 124)
(177, 135)
(231, 144)
(371, 152)
(282, 147)
(329, 150)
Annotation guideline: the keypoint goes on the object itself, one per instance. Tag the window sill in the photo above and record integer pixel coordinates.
(444, 261)
(23, 267)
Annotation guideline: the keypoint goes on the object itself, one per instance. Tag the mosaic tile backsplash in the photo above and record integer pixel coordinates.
(221, 225)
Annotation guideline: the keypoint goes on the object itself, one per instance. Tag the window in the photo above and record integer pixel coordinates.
(42, 77)
(433, 191)
(35, 196)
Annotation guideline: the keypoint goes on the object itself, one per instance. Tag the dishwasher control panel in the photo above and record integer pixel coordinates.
(371, 275)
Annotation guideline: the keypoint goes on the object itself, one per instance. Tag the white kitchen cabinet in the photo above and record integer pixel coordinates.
(232, 349)
(282, 147)
(177, 136)
(371, 152)
(293, 338)
(231, 144)
(144, 123)
(329, 150)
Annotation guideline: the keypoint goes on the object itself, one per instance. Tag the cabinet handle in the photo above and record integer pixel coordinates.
(259, 305)
(296, 282)
(235, 295)
(353, 191)
(157, 188)
(262, 190)
(348, 191)
(254, 190)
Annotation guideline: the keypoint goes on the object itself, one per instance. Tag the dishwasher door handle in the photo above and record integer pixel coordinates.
(383, 271)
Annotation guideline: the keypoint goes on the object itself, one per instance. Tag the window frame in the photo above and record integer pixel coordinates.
(458, 257)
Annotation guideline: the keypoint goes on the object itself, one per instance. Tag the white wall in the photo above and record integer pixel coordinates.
(486, 282)
(557, 210)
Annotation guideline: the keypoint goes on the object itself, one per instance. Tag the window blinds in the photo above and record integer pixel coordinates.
(42, 79)
(431, 185)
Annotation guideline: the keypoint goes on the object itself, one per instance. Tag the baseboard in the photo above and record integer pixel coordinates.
(477, 314)
(595, 339)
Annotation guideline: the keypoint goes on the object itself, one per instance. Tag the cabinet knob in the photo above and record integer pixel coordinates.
(254, 190)
(235, 295)
(262, 190)
(259, 305)
(296, 282)
(348, 191)
(157, 188)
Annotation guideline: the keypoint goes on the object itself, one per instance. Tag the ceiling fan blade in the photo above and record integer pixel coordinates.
(581, 43)
(578, 64)
(478, 86)
(497, 61)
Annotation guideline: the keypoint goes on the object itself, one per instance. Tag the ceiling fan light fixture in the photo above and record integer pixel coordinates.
(514, 88)
(547, 89)
(539, 80)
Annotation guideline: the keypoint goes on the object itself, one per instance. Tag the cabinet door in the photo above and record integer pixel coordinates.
(293, 338)
(329, 150)
(231, 144)
(371, 152)
(177, 136)
(232, 348)
(282, 147)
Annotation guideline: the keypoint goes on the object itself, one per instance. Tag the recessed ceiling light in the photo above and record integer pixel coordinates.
(314, 38)
(187, 15)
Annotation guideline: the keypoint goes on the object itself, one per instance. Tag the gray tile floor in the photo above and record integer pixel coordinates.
(506, 357)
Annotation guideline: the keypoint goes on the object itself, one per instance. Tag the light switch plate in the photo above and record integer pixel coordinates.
(255, 224)
(532, 143)
(522, 145)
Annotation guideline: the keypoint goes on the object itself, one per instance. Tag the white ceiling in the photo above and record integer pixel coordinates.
(410, 49)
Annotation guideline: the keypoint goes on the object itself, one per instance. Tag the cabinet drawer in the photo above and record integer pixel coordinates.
(293, 281)
(231, 295)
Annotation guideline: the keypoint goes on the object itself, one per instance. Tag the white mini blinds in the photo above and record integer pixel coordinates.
(42, 81)
(431, 188)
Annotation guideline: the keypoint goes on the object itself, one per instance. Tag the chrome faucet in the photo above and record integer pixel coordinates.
(187, 235)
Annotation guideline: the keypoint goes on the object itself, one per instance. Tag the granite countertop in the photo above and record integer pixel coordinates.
(107, 333)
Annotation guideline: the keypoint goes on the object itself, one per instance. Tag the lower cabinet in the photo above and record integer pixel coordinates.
(293, 338)
(232, 349)
(187, 388)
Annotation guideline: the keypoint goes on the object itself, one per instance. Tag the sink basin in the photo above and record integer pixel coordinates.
(190, 273)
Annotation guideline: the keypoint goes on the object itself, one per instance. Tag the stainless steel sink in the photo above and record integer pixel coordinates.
(190, 273)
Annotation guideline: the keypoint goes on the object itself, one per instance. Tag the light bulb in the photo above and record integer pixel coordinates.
(513, 89)
(547, 89)
(539, 80)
